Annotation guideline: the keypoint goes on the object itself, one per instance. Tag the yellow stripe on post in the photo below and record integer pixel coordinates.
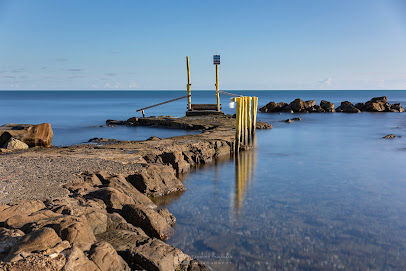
(217, 88)
(189, 99)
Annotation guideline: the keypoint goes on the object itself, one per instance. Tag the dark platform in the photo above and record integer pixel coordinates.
(203, 113)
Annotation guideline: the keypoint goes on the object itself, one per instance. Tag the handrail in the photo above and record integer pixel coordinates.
(142, 109)
(230, 94)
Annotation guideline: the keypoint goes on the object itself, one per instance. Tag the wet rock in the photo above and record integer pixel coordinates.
(115, 122)
(309, 104)
(156, 180)
(270, 107)
(169, 217)
(396, 108)
(156, 255)
(263, 125)
(38, 240)
(152, 223)
(76, 260)
(106, 257)
(32, 135)
(21, 208)
(327, 106)
(74, 229)
(347, 107)
(297, 105)
(390, 136)
(15, 144)
(9, 239)
(360, 106)
(287, 121)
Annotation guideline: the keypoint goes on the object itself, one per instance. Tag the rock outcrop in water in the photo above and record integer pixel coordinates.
(377, 104)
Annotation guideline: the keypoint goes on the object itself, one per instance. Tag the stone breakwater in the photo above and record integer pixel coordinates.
(89, 207)
(377, 104)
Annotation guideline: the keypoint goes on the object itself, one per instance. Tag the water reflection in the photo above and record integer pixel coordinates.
(244, 174)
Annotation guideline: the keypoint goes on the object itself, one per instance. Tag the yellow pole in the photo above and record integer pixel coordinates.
(249, 117)
(189, 99)
(237, 125)
(244, 121)
(254, 113)
(217, 88)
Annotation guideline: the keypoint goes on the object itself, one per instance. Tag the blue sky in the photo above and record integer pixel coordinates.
(141, 45)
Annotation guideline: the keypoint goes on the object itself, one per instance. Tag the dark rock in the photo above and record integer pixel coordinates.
(149, 221)
(390, 136)
(9, 239)
(270, 107)
(106, 257)
(360, 106)
(297, 105)
(397, 108)
(382, 99)
(309, 104)
(327, 106)
(115, 122)
(177, 160)
(196, 265)
(347, 107)
(156, 180)
(32, 135)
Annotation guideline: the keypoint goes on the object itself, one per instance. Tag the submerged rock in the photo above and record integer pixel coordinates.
(390, 136)
(347, 107)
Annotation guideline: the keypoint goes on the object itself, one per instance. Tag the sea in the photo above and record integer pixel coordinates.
(324, 193)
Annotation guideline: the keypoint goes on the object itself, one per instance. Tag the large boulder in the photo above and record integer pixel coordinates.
(327, 106)
(114, 199)
(151, 222)
(347, 107)
(106, 257)
(32, 135)
(156, 180)
(15, 144)
(297, 105)
(269, 108)
(377, 104)
(158, 256)
(396, 108)
(309, 104)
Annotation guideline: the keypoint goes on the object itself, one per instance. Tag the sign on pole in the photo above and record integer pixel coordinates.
(216, 59)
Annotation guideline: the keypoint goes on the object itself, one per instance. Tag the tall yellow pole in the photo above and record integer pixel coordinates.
(217, 88)
(249, 104)
(189, 99)
(238, 125)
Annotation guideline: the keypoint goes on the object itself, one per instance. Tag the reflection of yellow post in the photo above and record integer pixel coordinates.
(189, 99)
(217, 88)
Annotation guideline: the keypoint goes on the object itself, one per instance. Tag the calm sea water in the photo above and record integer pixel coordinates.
(321, 194)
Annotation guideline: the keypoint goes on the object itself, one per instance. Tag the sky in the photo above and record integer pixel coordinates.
(142, 45)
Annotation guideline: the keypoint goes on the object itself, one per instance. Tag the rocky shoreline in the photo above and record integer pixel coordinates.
(377, 104)
(89, 207)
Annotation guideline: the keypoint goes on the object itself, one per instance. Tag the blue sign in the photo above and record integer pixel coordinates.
(216, 59)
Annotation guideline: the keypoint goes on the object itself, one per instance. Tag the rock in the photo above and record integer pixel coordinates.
(397, 108)
(297, 119)
(97, 221)
(382, 99)
(309, 104)
(121, 184)
(76, 206)
(19, 221)
(270, 107)
(153, 138)
(360, 106)
(74, 229)
(327, 106)
(123, 240)
(177, 160)
(263, 125)
(38, 240)
(115, 122)
(76, 260)
(9, 239)
(21, 208)
(32, 135)
(287, 121)
(390, 136)
(4, 150)
(114, 199)
(15, 144)
(347, 107)
(196, 265)
(116, 222)
(297, 105)
(156, 180)
(92, 179)
(149, 221)
(169, 217)
(36, 262)
(106, 258)
(374, 107)
(156, 255)
(282, 107)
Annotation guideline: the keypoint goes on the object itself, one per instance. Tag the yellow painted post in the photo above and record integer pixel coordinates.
(217, 88)
(237, 125)
(189, 99)
(254, 114)
(249, 104)
(244, 115)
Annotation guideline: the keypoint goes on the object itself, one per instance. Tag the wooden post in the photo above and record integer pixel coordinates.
(217, 88)
(254, 113)
(189, 99)
(249, 124)
(237, 125)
